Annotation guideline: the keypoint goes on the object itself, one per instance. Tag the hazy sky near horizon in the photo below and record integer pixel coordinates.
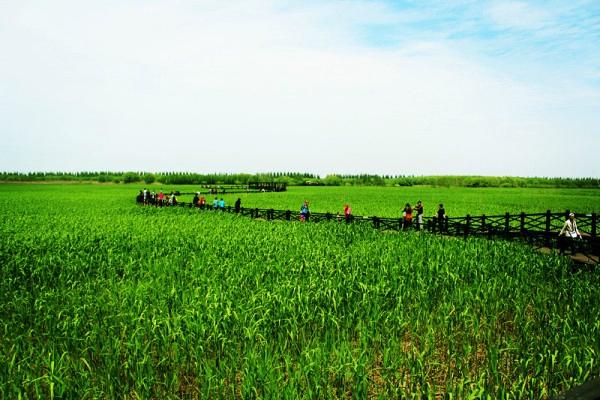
(390, 87)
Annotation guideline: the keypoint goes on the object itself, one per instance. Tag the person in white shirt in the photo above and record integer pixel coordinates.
(570, 233)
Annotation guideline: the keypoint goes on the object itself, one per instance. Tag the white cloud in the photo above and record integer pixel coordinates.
(256, 86)
(517, 14)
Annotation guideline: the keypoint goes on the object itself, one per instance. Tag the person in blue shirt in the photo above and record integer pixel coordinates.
(304, 211)
(216, 203)
(222, 204)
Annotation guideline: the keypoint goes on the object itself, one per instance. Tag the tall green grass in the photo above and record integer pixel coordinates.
(100, 298)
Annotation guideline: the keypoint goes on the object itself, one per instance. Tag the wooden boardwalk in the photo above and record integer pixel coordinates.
(538, 229)
(581, 258)
(578, 258)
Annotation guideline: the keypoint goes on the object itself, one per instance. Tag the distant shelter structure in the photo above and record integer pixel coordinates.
(267, 186)
(251, 187)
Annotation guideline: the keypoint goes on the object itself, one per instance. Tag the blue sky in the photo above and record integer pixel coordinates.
(391, 87)
(551, 37)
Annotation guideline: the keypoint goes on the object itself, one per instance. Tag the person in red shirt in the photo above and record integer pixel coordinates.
(347, 213)
(407, 214)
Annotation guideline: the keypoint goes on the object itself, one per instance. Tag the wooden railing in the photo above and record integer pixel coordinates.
(538, 229)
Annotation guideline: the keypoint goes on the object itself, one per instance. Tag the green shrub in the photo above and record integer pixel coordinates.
(131, 177)
(149, 178)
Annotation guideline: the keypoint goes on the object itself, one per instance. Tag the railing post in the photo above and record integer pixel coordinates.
(468, 225)
(522, 223)
(483, 224)
(567, 212)
(288, 215)
(507, 224)
(328, 216)
(594, 235)
(547, 230)
(445, 224)
(375, 222)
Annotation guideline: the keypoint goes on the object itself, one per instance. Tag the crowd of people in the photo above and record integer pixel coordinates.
(408, 211)
(217, 203)
(407, 214)
(157, 199)
(161, 199)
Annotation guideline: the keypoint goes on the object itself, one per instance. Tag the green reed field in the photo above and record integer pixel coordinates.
(101, 298)
(389, 201)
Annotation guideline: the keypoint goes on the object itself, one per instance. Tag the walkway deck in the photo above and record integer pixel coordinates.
(578, 258)
(540, 230)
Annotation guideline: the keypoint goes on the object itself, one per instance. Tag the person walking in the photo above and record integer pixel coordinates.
(569, 234)
(238, 205)
(304, 211)
(419, 210)
(407, 215)
(441, 216)
(347, 213)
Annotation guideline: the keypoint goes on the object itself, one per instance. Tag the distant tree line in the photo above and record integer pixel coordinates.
(300, 178)
(169, 178)
(461, 181)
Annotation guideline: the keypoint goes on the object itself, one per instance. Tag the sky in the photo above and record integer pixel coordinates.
(354, 86)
